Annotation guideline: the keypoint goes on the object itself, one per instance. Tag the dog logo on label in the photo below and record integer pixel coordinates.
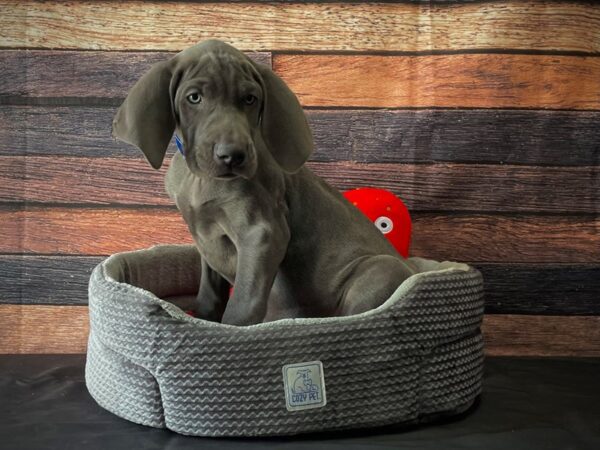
(304, 385)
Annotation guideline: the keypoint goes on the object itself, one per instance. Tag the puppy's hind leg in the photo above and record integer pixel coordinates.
(372, 282)
(212, 295)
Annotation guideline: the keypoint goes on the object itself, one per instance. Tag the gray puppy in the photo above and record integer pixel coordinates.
(292, 245)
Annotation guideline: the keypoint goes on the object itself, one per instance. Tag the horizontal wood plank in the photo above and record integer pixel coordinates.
(470, 80)
(64, 329)
(12, 179)
(494, 238)
(43, 329)
(565, 138)
(474, 187)
(541, 289)
(401, 26)
(476, 136)
(423, 187)
(509, 288)
(506, 335)
(443, 81)
(475, 238)
(96, 76)
(50, 280)
(90, 231)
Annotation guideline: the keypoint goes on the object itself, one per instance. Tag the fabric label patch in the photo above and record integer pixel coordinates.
(304, 385)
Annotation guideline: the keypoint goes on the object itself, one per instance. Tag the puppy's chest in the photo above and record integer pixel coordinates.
(220, 213)
(206, 217)
(204, 220)
(219, 220)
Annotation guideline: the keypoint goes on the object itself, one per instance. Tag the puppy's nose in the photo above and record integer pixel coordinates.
(230, 155)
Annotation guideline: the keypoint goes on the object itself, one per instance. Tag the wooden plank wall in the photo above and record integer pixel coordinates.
(483, 116)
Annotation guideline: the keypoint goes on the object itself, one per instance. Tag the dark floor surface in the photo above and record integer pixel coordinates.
(527, 404)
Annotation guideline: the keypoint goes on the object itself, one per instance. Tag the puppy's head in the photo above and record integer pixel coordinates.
(225, 108)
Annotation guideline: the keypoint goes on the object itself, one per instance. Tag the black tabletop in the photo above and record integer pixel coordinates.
(527, 403)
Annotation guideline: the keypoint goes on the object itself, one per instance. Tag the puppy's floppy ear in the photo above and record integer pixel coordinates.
(146, 118)
(284, 126)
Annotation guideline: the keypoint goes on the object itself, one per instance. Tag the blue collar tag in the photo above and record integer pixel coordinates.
(179, 145)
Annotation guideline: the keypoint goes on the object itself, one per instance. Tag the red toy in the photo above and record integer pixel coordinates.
(387, 212)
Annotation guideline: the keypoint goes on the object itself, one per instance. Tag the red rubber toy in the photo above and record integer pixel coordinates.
(387, 212)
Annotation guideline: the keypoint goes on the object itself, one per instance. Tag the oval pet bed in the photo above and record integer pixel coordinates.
(417, 356)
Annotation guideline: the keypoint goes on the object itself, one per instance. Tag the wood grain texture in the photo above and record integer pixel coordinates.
(541, 335)
(12, 179)
(458, 80)
(81, 180)
(494, 238)
(95, 76)
(443, 81)
(549, 289)
(431, 187)
(476, 136)
(564, 138)
(90, 231)
(64, 329)
(527, 25)
(475, 238)
(50, 280)
(43, 329)
(541, 289)
(474, 187)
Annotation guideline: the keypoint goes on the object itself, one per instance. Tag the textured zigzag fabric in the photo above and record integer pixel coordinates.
(418, 356)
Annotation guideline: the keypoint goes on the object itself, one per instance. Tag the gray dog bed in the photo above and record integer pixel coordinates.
(415, 357)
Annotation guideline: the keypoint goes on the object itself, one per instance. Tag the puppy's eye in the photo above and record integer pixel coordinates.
(194, 98)
(250, 99)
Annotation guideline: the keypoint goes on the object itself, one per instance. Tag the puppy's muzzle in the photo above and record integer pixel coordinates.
(230, 156)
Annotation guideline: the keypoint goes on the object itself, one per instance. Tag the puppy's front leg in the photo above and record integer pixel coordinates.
(212, 295)
(259, 254)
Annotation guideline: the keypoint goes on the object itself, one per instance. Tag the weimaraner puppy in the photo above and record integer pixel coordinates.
(290, 244)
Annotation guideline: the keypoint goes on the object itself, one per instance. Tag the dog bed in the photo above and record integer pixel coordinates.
(414, 358)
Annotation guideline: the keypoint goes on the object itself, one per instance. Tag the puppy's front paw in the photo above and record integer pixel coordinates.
(244, 309)
(237, 319)
(209, 304)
